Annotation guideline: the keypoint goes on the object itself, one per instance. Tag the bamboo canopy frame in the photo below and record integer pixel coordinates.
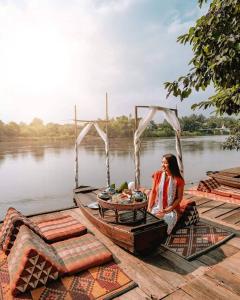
(103, 135)
(171, 115)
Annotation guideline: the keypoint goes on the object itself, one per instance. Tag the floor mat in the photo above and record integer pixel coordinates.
(194, 240)
(103, 282)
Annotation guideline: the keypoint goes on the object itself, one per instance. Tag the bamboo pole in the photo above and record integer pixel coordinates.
(107, 144)
(76, 148)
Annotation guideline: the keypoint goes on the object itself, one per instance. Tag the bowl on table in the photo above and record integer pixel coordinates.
(104, 196)
(138, 196)
(110, 191)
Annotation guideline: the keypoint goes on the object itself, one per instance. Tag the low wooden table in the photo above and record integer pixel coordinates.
(138, 209)
(137, 237)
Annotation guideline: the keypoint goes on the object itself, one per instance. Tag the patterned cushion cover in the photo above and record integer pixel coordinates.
(202, 187)
(227, 191)
(235, 194)
(51, 230)
(12, 222)
(5, 225)
(32, 262)
(213, 186)
(220, 191)
(189, 212)
(11, 213)
(208, 185)
(82, 253)
(61, 228)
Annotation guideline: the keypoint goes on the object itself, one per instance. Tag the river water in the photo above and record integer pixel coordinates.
(37, 176)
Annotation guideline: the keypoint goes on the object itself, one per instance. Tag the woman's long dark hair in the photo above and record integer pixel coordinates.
(173, 165)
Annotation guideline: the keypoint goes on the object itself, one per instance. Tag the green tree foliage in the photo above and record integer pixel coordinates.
(36, 122)
(215, 41)
(165, 129)
(12, 129)
(122, 126)
(192, 123)
(232, 142)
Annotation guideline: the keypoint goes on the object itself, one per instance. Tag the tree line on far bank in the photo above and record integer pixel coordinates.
(121, 126)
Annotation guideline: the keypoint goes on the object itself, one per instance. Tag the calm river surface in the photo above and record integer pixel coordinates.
(36, 177)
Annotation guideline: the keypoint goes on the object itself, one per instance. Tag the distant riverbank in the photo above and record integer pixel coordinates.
(89, 138)
(118, 127)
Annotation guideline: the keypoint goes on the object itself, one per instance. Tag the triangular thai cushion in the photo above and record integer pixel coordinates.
(52, 229)
(11, 224)
(32, 262)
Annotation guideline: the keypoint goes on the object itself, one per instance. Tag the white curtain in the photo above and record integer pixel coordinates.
(141, 127)
(84, 131)
(172, 119)
(101, 133)
(104, 136)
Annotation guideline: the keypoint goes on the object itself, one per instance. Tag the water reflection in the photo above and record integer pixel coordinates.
(118, 147)
(37, 175)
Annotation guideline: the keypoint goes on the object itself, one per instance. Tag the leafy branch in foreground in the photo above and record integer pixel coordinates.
(232, 142)
(215, 41)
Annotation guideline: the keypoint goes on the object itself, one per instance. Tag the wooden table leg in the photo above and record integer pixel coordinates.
(134, 215)
(145, 215)
(100, 210)
(116, 216)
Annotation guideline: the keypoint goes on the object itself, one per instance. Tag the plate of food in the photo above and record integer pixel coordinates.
(119, 198)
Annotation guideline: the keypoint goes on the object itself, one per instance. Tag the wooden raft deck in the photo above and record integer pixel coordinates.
(225, 214)
(164, 275)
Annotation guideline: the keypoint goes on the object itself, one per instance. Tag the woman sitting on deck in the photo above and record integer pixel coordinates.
(167, 192)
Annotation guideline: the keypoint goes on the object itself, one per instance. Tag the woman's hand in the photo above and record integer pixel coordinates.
(167, 210)
(160, 214)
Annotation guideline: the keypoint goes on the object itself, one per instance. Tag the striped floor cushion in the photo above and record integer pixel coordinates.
(213, 186)
(61, 228)
(220, 191)
(82, 253)
(227, 191)
(32, 262)
(51, 230)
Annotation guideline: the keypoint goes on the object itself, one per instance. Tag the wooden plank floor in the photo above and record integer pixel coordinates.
(220, 212)
(164, 275)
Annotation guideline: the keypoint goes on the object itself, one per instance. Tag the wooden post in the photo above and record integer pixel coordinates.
(137, 158)
(76, 148)
(107, 148)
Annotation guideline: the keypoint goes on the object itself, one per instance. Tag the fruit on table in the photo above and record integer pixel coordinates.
(123, 186)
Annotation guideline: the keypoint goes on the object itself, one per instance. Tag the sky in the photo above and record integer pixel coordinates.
(56, 53)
